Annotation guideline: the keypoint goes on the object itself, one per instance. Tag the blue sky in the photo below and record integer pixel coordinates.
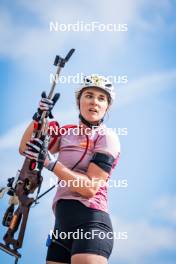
(145, 106)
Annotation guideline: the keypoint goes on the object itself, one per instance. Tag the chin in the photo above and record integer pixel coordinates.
(92, 119)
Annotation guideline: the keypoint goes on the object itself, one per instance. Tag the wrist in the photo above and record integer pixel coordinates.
(50, 162)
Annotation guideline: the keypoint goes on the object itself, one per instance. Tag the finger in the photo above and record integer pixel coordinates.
(55, 98)
(47, 101)
(38, 141)
(45, 106)
(31, 155)
(44, 109)
(33, 147)
(43, 95)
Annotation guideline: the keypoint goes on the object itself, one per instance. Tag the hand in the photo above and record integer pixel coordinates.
(36, 151)
(47, 105)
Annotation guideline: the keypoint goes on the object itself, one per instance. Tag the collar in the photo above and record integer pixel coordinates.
(89, 124)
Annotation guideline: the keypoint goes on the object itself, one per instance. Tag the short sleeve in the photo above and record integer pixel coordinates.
(109, 144)
(53, 129)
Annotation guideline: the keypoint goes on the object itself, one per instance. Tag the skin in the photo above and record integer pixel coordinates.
(96, 99)
(91, 99)
(84, 259)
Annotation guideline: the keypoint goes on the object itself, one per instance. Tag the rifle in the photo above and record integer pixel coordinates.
(27, 181)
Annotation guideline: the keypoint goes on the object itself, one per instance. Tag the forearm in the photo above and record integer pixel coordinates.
(45, 105)
(77, 182)
(26, 137)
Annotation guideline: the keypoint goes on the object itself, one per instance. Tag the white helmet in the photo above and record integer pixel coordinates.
(98, 81)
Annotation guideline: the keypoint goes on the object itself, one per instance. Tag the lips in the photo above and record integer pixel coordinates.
(92, 110)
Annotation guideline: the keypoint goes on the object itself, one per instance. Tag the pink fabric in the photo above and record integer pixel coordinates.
(72, 148)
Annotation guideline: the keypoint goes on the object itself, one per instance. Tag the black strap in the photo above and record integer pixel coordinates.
(88, 124)
(104, 161)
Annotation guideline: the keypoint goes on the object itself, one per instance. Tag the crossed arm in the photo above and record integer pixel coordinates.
(88, 184)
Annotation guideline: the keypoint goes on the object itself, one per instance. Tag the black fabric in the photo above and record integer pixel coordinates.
(37, 116)
(88, 124)
(104, 161)
(33, 144)
(73, 216)
(57, 253)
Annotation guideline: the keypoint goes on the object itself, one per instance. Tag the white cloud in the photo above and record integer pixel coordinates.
(146, 86)
(36, 43)
(144, 240)
(155, 17)
(117, 11)
(165, 208)
(12, 138)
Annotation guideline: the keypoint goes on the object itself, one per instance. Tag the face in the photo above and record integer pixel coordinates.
(93, 104)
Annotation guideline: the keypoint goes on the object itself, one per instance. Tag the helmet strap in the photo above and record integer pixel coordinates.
(88, 124)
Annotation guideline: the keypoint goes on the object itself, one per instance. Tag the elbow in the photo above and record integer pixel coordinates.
(22, 148)
(21, 151)
(89, 193)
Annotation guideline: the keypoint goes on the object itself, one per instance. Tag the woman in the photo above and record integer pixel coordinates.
(85, 164)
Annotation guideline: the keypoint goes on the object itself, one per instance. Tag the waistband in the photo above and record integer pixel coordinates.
(74, 213)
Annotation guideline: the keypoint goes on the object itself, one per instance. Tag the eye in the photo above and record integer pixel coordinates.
(101, 99)
(88, 96)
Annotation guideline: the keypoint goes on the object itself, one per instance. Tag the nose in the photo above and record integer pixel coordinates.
(94, 100)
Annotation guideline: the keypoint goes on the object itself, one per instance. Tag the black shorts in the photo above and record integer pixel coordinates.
(79, 229)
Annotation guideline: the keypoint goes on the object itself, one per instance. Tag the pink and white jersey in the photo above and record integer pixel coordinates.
(71, 150)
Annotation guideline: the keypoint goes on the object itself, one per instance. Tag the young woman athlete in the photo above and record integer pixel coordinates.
(83, 231)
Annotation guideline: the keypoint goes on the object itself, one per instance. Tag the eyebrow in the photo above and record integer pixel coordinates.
(91, 93)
